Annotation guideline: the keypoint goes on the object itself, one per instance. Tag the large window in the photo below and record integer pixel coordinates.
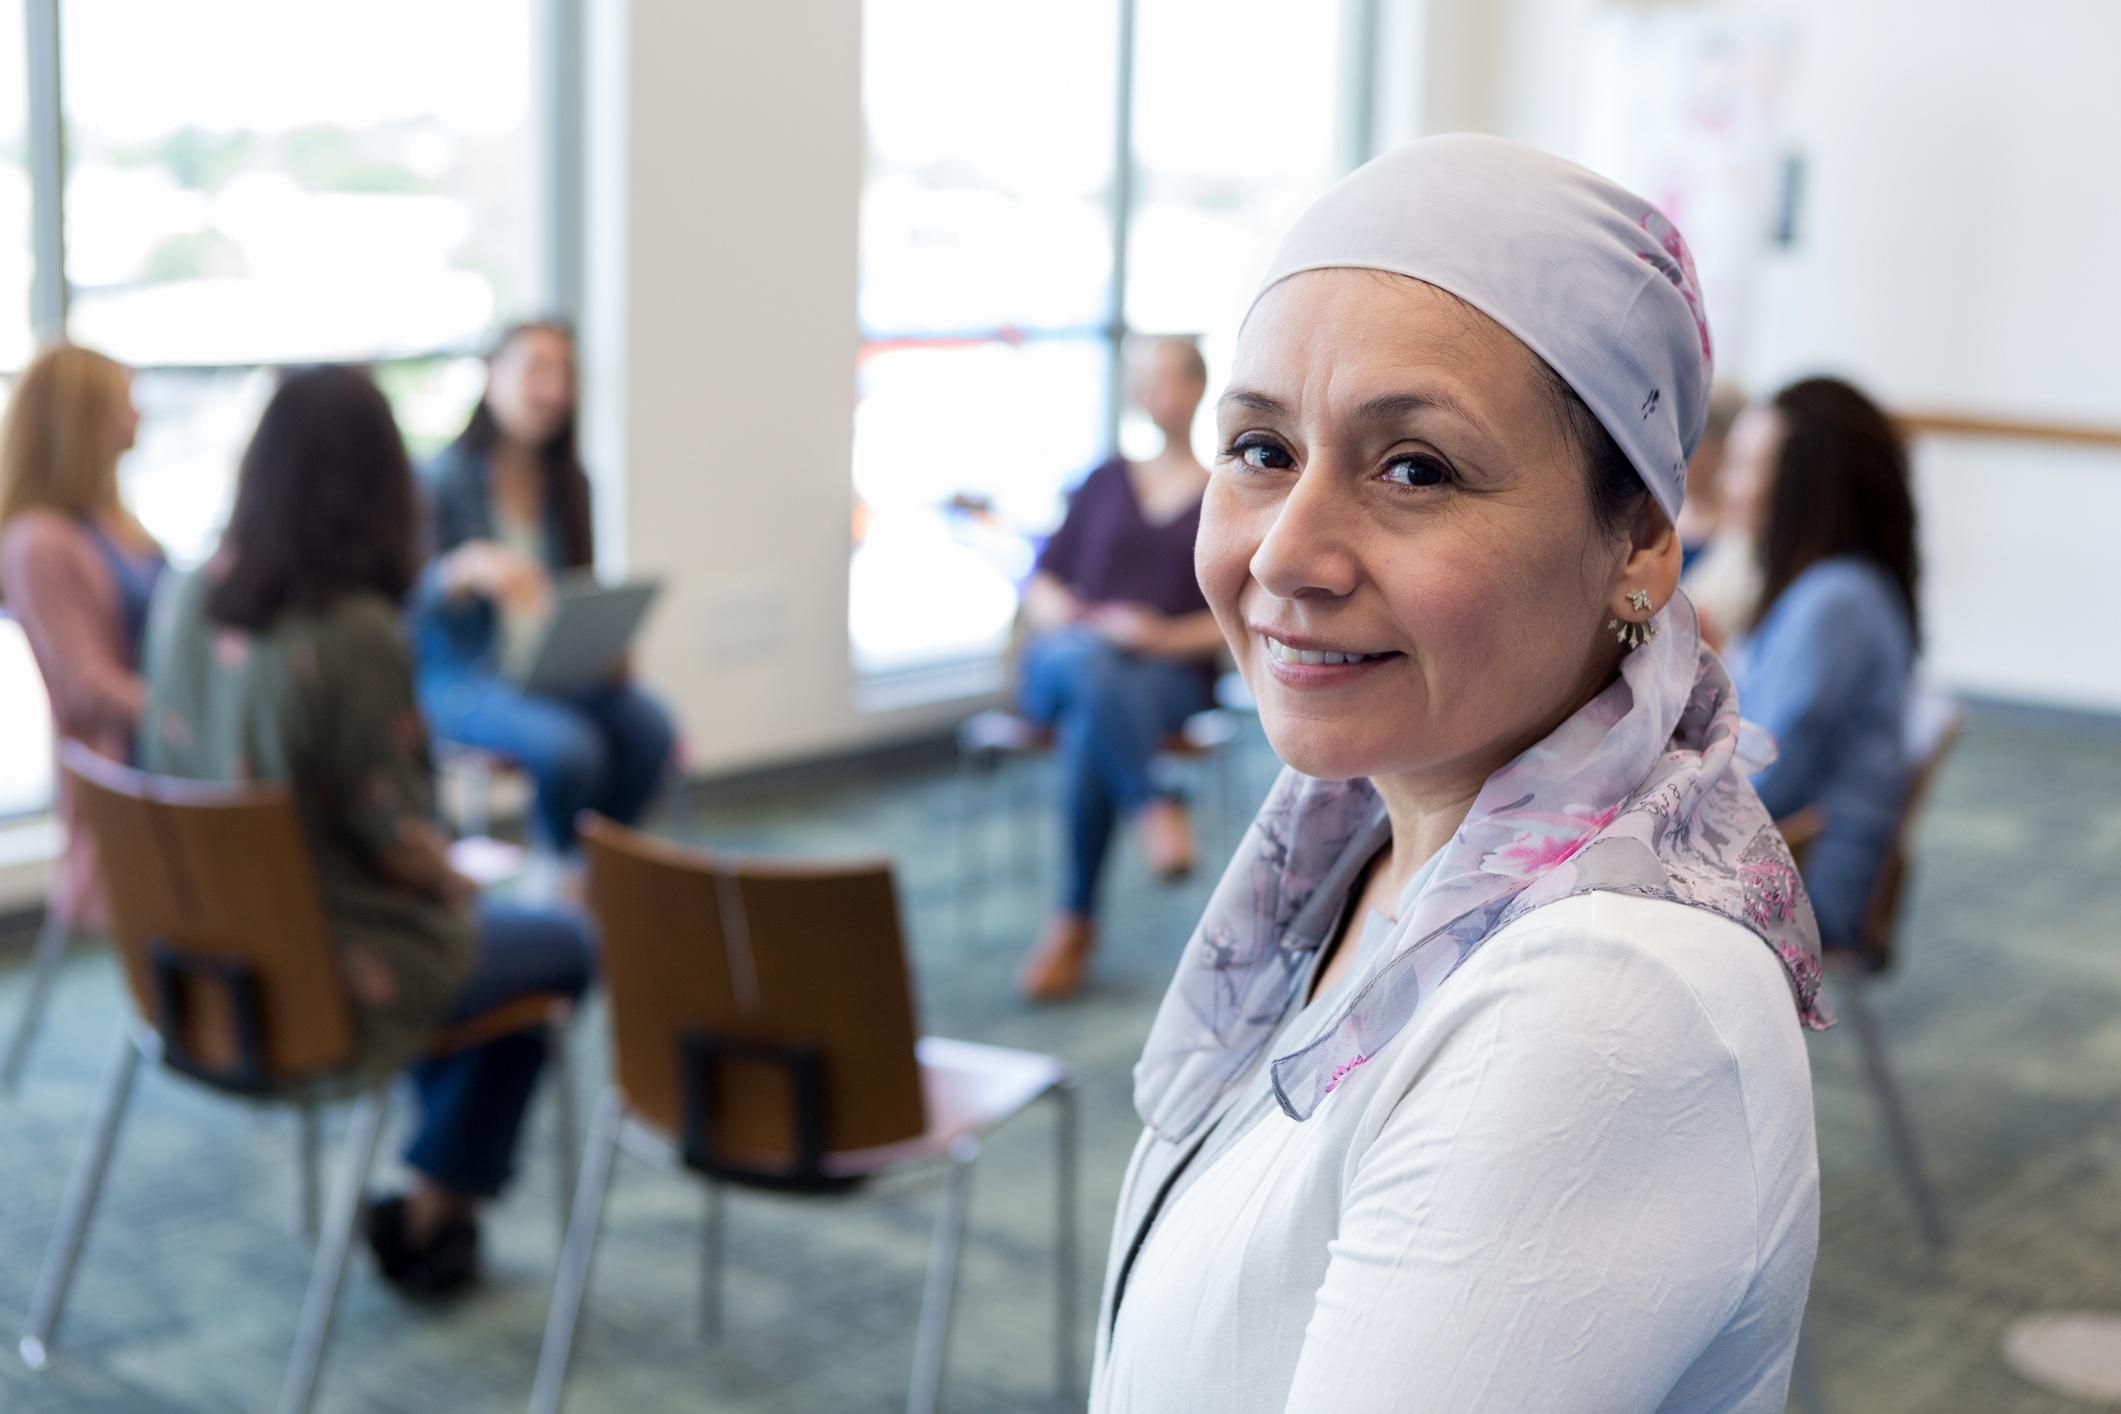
(251, 184)
(25, 766)
(1006, 256)
(16, 264)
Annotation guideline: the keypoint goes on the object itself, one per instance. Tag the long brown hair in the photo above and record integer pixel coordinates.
(325, 505)
(57, 450)
(566, 484)
(1841, 487)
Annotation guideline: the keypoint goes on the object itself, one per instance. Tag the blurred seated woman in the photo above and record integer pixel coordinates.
(509, 508)
(1821, 476)
(77, 570)
(284, 659)
(1122, 650)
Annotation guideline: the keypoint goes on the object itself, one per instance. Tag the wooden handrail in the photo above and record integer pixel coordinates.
(1953, 424)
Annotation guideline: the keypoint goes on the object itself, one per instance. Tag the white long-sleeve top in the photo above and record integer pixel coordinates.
(1582, 1178)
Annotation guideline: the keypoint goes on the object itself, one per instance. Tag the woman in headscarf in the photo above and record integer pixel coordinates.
(1482, 1084)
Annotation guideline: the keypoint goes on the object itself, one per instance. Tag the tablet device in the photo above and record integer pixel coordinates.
(587, 632)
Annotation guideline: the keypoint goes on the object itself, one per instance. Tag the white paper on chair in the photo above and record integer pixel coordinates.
(487, 861)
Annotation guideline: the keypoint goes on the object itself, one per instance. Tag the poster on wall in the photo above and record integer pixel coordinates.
(1683, 106)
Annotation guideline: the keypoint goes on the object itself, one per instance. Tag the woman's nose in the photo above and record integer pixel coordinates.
(1307, 552)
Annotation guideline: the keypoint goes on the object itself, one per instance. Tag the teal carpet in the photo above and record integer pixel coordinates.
(2005, 1022)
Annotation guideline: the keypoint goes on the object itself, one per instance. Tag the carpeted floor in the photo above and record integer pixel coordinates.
(2005, 1023)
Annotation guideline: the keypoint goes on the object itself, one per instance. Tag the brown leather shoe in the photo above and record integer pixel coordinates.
(1054, 970)
(1167, 838)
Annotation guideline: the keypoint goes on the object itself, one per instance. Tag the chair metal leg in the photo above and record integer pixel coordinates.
(961, 914)
(931, 1344)
(310, 1195)
(321, 1303)
(605, 1127)
(478, 797)
(52, 939)
(711, 1241)
(1066, 1257)
(1892, 1109)
(566, 1145)
(1804, 1377)
(1024, 819)
(82, 1191)
(990, 875)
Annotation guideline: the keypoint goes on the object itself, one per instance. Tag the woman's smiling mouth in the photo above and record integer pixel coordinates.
(1309, 663)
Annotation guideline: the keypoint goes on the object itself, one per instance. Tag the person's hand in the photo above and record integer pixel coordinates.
(1134, 627)
(501, 573)
(1049, 605)
(460, 892)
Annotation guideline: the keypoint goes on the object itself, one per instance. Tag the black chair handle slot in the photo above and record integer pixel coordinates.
(176, 973)
(701, 1057)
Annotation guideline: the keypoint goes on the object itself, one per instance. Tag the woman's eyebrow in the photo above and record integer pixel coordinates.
(1385, 407)
(1391, 407)
(1253, 399)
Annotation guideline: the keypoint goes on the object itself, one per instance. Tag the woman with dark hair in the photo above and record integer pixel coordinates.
(1821, 477)
(509, 509)
(284, 659)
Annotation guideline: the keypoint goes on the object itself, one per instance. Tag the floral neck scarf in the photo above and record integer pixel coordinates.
(1644, 791)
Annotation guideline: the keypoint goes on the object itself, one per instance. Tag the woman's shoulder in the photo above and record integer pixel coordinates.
(41, 530)
(1102, 478)
(1646, 982)
(1612, 1025)
(1841, 588)
(366, 623)
(454, 465)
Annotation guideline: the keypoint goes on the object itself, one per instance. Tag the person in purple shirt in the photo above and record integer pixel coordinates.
(1121, 651)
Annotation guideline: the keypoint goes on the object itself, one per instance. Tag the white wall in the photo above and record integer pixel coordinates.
(724, 157)
(1960, 249)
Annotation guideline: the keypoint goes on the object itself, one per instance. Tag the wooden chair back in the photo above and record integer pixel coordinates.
(215, 910)
(763, 963)
(1932, 730)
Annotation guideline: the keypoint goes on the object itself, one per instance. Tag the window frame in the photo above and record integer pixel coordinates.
(557, 27)
(1357, 122)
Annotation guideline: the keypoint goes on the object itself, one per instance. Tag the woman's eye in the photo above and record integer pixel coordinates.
(1417, 471)
(1260, 456)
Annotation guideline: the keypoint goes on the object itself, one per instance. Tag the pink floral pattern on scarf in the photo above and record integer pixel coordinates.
(1644, 791)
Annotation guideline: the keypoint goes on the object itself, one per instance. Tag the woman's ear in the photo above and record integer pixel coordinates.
(1650, 574)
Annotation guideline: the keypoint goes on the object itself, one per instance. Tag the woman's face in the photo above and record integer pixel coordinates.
(1749, 458)
(126, 429)
(1396, 484)
(530, 387)
(1164, 384)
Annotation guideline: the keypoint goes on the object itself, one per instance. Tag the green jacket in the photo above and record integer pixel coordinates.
(324, 702)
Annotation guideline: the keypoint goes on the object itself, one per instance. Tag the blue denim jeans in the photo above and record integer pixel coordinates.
(1109, 710)
(472, 1103)
(604, 749)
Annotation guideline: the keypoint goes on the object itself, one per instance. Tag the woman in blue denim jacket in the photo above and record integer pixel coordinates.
(509, 509)
(1822, 477)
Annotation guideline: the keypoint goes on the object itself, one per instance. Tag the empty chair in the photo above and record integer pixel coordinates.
(236, 984)
(763, 1034)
